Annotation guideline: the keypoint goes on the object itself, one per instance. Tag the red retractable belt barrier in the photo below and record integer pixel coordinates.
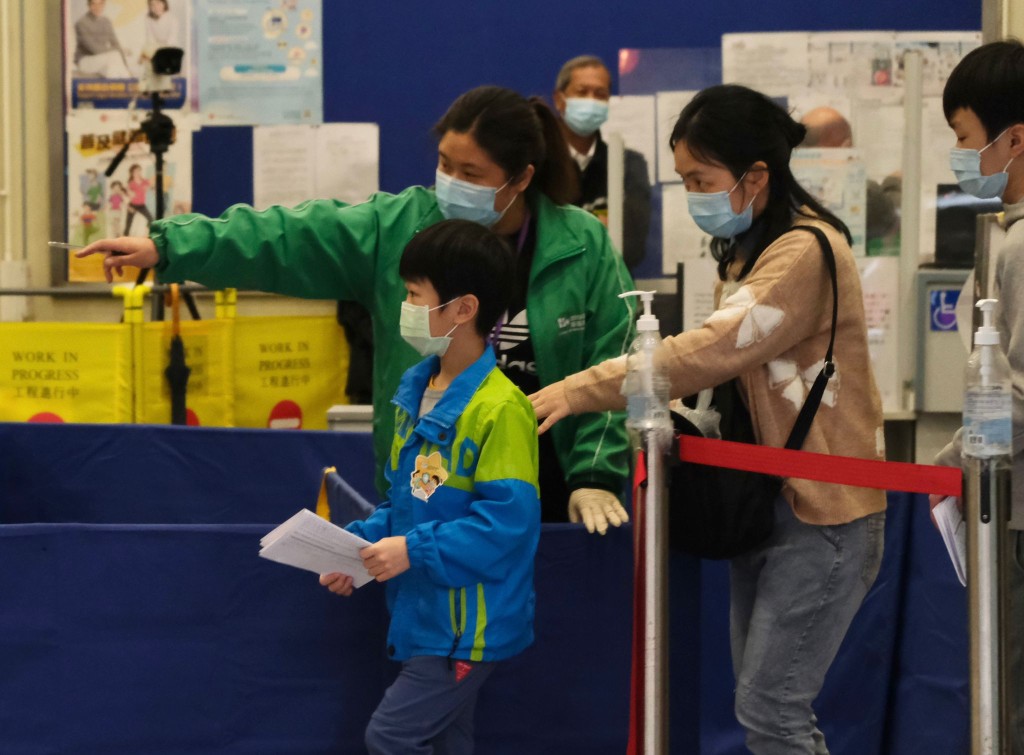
(842, 470)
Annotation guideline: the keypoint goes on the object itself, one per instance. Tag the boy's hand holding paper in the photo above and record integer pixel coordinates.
(309, 542)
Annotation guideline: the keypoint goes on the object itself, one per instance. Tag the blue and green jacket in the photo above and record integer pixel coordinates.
(468, 593)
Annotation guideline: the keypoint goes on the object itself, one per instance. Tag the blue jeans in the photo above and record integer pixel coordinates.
(428, 709)
(792, 600)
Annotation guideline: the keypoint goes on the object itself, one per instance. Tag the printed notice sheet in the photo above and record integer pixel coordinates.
(331, 161)
(260, 62)
(309, 542)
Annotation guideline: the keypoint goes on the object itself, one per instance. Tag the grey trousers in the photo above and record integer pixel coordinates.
(428, 709)
(792, 600)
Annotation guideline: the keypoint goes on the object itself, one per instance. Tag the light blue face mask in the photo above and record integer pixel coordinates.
(414, 325)
(585, 115)
(966, 166)
(714, 215)
(461, 200)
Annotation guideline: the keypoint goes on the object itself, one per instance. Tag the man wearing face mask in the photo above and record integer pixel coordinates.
(581, 95)
(984, 105)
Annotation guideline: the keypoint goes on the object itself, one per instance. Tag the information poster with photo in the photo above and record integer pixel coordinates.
(260, 61)
(124, 203)
(110, 46)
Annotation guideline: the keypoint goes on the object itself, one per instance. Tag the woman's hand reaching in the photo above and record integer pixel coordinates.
(126, 250)
(550, 404)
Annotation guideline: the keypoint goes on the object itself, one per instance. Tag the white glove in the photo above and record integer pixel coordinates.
(597, 509)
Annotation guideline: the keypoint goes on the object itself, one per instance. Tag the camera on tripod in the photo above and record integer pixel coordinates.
(157, 78)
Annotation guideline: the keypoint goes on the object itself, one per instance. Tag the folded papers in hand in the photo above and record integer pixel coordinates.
(307, 541)
(953, 529)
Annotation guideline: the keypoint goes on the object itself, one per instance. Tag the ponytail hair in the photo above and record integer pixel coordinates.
(515, 133)
(736, 127)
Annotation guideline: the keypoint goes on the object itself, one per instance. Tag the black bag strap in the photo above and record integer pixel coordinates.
(806, 416)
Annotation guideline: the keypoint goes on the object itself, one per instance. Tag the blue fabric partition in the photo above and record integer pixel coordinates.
(137, 617)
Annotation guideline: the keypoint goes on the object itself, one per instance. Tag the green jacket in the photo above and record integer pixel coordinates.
(324, 249)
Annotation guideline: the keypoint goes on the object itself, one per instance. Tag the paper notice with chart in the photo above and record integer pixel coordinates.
(306, 541)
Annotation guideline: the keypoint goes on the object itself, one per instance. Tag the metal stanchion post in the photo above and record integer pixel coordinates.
(656, 641)
(987, 494)
(986, 505)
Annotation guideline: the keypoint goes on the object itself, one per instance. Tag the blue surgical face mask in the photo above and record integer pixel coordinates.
(714, 215)
(585, 115)
(414, 325)
(966, 166)
(461, 200)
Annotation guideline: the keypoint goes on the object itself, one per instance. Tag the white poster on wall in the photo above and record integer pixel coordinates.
(632, 117)
(330, 161)
(774, 63)
(880, 278)
(667, 109)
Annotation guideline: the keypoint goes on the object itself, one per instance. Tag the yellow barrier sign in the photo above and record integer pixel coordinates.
(65, 372)
(288, 371)
(208, 354)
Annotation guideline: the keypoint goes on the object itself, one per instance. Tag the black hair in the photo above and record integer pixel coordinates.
(516, 132)
(989, 81)
(461, 257)
(736, 127)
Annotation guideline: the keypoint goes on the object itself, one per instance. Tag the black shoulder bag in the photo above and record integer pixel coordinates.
(720, 513)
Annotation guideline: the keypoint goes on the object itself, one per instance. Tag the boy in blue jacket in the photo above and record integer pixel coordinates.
(455, 539)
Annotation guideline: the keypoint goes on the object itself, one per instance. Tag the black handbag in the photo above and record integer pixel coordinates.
(716, 512)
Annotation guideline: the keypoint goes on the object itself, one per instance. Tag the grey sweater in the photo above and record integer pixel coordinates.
(1010, 320)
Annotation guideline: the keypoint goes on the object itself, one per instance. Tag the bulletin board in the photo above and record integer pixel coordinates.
(400, 64)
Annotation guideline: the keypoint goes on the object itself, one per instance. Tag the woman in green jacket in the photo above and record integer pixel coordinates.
(502, 162)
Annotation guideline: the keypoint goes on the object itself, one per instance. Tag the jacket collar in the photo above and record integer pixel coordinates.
(438, 424)
(1014, 212)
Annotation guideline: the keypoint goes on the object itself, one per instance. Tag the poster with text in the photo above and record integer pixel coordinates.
(260, 61)
(110, 47)
(331, 161)
(123, 203)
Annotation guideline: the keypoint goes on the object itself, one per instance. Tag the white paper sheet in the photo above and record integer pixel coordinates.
(306, 541)
(953, 529)
(633, 118)
(836, 178)
(667, 109)
(331, 161)
(880, 283)
(773, 63)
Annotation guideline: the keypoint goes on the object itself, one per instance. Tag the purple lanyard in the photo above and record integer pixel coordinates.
(524, 231)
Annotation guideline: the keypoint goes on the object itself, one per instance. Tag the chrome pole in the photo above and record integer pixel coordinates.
(986, 506)
(987, 488)
(656, 641)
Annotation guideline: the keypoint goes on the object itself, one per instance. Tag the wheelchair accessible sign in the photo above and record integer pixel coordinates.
(942, 309)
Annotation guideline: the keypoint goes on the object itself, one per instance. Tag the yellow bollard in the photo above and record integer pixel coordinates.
(134, 298)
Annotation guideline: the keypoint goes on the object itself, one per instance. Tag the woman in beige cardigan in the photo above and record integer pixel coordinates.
(792, 597)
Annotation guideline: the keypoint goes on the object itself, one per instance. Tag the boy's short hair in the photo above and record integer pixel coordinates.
(461, 257)
(989, 81)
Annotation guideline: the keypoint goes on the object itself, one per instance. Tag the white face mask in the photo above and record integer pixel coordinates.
(414, 325)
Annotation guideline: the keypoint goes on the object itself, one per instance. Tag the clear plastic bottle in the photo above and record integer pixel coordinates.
(646, 384)
(988, 422)
(988, 403)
